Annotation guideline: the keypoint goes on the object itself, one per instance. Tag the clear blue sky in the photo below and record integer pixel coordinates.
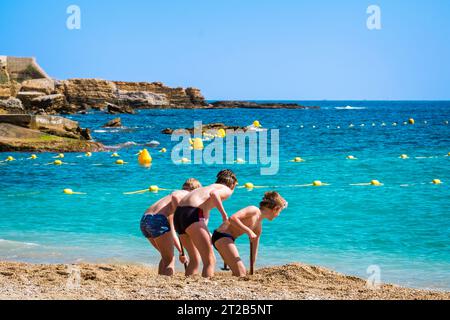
(243, 49)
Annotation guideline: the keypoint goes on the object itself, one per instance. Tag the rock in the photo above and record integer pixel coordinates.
(53, 125)
(114, 123)
(175, 97)
(51, 104)
(16, 138)
(27, 97)
(92, 92)
(195, 96)
(44, 85)
(211, 128)
(141, 99)
(85, 133)
(255, 105)
(115, 109)
(11, 106)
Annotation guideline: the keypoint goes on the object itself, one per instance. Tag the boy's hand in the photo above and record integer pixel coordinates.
(183, 259)
(252, 236)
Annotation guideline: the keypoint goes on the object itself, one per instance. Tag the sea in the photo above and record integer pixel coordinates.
(400, 230)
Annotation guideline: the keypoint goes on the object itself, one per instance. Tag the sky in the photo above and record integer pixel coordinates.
(243, 49)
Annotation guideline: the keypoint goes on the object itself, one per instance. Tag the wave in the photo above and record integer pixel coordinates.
(16, 244)
(350, 108)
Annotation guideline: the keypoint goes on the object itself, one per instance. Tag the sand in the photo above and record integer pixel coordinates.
(97, 281)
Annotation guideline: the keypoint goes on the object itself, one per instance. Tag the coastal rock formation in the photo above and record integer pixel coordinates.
(114, 123)
(140, 99)
(209, 127)
(44, 85)
(11, 106)
(44, 133)
(257, 105)
(92, 92)
(25, 79)
(50, 104)
(114, 109)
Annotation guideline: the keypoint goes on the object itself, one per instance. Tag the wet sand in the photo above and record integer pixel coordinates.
(98, 281)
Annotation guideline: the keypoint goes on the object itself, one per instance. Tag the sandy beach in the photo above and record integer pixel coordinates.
(136, 282)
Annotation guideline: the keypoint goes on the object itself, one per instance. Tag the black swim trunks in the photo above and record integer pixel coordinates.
(219, 235)
(185, 216)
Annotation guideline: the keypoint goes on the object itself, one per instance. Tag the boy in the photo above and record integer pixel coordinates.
(191, 221)
(249, 221)
(157, 227)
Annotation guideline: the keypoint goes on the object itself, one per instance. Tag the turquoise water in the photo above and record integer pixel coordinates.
(402, 226)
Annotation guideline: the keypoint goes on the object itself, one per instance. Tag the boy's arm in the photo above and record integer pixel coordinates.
(236, 220)
(176, 241)
(217, 202)
(254, 253)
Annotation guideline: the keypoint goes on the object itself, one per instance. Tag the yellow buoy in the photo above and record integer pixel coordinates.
(61, 156)
(10, 158)
(221, 133)
(197, 144)
(119, 161)
(436, 181)
(256, 124)
(298, 159)
(317, 183)
(115, 155)
(411, 121)
(70, 191)
(33, 156)
(375, 183)
(153, 189)
(351, 158)
(163, 150)
(145, 158)
(88, 154)
(404, 156)
(249, 185)
(57, 162)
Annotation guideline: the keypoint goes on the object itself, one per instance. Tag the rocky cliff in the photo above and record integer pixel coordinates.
(24, 79)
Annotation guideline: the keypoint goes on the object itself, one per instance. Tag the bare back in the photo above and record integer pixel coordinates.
(201, 197)
(164, 205)
(253, 222)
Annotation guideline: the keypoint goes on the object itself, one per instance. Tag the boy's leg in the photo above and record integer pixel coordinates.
(193, 254)
(165, 245)
(230, 255)
(199, 234)
(161, 264)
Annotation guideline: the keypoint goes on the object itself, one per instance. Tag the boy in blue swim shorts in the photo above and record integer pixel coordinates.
(157, 226)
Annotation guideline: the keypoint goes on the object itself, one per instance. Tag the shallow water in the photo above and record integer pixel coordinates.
(402, 226)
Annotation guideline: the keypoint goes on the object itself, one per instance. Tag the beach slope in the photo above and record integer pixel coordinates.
(96, 281)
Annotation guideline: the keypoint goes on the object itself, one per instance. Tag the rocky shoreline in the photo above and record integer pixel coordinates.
(26, 91)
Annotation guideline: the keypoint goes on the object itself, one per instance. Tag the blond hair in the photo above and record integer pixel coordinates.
(271, 200)
(191, 184)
